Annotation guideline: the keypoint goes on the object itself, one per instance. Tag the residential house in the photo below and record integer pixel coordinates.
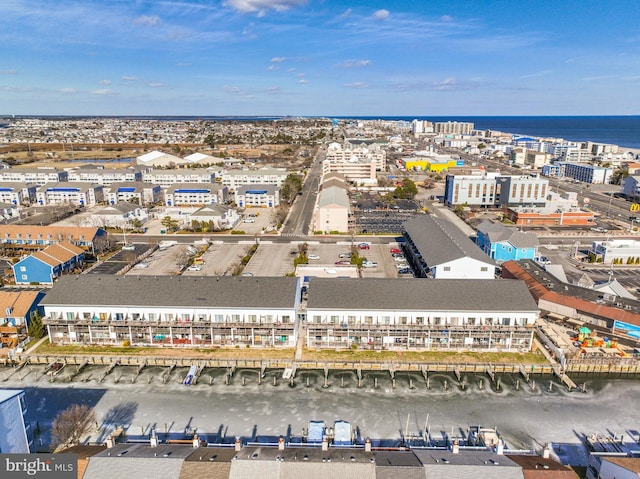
(39, 237)
(214, 218)
(120, 215)
(195, 194)
(44, 267)
(502, 243)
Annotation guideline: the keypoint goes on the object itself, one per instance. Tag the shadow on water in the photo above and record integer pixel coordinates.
(44, 404)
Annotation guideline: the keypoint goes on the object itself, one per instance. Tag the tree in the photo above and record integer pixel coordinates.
(169, 223)
(292, 184)
(71, 424)
(36, 329)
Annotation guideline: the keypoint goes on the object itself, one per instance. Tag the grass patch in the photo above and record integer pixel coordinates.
(449, 357)
(426, 356)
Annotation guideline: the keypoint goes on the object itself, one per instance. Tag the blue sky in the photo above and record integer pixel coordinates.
(319, 57)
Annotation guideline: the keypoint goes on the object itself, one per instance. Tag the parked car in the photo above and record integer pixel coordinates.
(344, 255)
(543, 260)
(343, 263)
(395, 251)
(249, 220)
(405, 271)
(363, 246)
(194, 267)
(399, 259)
(313, 256)
(247, 273)
(402, 265)
(128, 247)
(369, 264)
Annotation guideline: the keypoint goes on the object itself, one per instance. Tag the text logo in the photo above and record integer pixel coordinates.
(50, 466)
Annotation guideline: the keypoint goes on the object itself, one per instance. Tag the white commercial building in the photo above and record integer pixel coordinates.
(491, 190)
(161, 159)
(623, 251)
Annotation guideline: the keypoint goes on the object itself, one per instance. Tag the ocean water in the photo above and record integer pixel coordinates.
(623, 131)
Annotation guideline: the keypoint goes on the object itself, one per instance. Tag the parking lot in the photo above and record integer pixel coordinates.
(162, 262)
(220, 259)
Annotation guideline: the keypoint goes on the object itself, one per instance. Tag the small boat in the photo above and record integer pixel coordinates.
(191, 375)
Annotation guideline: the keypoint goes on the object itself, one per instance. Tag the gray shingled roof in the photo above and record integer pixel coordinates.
(420, 294)
(174, 291)
(334, 195)
(499, 232)
(468, 465)
(440, 241)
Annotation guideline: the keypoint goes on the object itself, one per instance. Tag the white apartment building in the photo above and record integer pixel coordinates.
(364, 152)
(16, 437)
(572, 153)
(17, 193)
(195, 194)
(586, 172)
(39, 176)
(104, 176)
(134, 192)
(261, 196)
(536, 159)
(234, 179)
(355, 170)
(80, 194)
(518, 156)
(453, 127)
(333, 210)
(166, 178)
(631, 186)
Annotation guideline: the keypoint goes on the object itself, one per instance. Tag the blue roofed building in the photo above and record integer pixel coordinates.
(195, 194)
(43, 267)
(258, 196)
(502, 243)
(133, 192)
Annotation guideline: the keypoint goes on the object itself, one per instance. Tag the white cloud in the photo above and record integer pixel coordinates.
(446, 84)
(381, 14)
(272, 68)
(278, 59)
(446, 18)
(130, 78)
(358, 84)
(232, 89)
(354, 63)
(303, 81)
(262, 6)
(147, 20)
(104, 82)
(291, 70)
(346, 13)
(156, 85)
(103, 92)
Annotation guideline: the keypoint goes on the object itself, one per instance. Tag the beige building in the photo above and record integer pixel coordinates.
(332, 213)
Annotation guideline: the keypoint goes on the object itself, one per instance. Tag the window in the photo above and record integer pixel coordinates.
(218, 318)
(446, 268)
(235, 318)
(484, 269)
(419, 320)
(24, 276)
(317, 319)
(506, 321)
(152, 316)
(253, 318)
(23, 268)
(69, 315)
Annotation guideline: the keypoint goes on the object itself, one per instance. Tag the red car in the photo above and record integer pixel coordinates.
(363, 246)
(343, 263)
(395, 251)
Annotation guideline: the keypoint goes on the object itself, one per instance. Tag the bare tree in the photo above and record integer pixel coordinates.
(71, 424)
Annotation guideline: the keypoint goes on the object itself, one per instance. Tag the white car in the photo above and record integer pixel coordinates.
(402, 265)
(128, 247)
(399, 259)
(313, 256)
(194, 267)
(369, 264)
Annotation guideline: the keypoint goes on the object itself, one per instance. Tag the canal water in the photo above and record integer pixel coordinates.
(528, 415)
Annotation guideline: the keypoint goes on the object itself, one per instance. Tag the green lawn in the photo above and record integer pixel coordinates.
(308, 354)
